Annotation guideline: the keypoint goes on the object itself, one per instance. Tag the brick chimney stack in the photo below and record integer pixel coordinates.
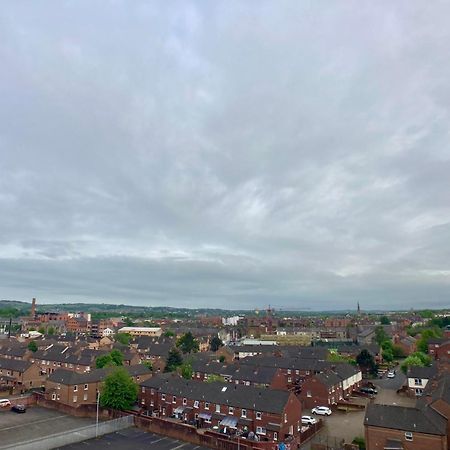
(33, 308)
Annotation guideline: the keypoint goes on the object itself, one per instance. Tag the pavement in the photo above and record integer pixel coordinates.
(133, 439)
(35, 423)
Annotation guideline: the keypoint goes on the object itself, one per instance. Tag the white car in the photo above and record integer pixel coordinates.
(308, 420)
(321, 410)
(391, 375)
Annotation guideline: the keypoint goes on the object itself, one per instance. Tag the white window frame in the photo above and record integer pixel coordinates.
(258, 415)
(196, 404)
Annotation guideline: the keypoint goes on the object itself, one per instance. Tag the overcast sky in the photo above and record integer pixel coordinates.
(228, 154)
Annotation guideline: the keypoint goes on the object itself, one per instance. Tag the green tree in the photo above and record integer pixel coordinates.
(186, 370)
(380, 335)
(119, 391)
(425, 336)
(360, 442)
(221, 358)
(123, 338)
(103, 361)
(41, 330)
(215, 344)
(128, 322)
(415, 359)
(384, 320)
(212, 378)
(174, 360)
(388, 356)
(366, 362)
(148, 364)
(116, 357)
(169, 333)
(398, 351)
(187, 343)
(32, 346)
(50, 331)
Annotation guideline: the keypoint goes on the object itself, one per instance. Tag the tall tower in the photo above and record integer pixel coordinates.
(359, 310)
(33, 308)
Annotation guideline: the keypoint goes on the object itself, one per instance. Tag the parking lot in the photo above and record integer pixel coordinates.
(133, 439)
(35, 423)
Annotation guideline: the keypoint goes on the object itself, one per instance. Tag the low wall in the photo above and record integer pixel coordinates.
(201, 437)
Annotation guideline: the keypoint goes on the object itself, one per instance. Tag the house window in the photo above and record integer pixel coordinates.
(244, 413)
(53, 396)
(174, 399)
(230, 410)
(297, 372)
(75, 388)
(206, 405)
(86, 387)
(408, 436)
(85, 396)
(218, 408)
(184, 401)
(195, 416)
(196, 404)
(163, 396)
(152, 391)
(138, 378)
(260, 430)
(152, 403)
(143, 390)
(58, 387)
(74, 398)
(289, 379)
(275, 436)
(418, 381)
(308, 394)
(258, 415)
(285, 418)
(289, 371)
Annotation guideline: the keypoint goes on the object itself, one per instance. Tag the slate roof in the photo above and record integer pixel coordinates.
(238, 396)
(329, 379)
(14, 364)
(306, 364)
(69, 377)
(254, 374)
(345, 370)
(415, 420)
(422, 372)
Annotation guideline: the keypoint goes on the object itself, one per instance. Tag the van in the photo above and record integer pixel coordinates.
(4, 402)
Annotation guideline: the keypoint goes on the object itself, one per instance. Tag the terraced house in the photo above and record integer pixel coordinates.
(271, 414)
(19, 375)
(77, 389)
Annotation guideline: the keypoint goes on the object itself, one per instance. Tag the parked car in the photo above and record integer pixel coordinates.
(369, 390)
(4, 402)
(308, 420)
(321, 410)
(19, 408)
(391, 374)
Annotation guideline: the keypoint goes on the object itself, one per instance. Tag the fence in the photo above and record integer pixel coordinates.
(74, 436)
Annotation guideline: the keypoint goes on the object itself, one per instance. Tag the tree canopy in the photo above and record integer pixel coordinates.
(115, 358)
(119, 391)
(32, 346)
(187, 343)
(366, 362)
(123, 338)
(384, 320)
(415, 359)
(215, 344)
(174, 360)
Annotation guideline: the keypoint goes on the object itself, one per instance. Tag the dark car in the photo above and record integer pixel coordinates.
(19, 408)
(369, 390)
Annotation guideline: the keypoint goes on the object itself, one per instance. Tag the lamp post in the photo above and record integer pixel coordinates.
(96, 422)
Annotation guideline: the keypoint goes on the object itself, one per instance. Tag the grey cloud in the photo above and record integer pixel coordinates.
(225, 154)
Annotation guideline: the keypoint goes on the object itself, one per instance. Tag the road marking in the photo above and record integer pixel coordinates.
(33, 423)
(182, 445)
(159, 440)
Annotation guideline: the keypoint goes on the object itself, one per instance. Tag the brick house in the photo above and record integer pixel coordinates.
(407, 343)
(76, 389)
(418, 378)
(270, 414)
(389, 427)
(19, 375)
(323, 389)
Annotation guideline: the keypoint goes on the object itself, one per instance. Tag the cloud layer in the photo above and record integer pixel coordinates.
(226, 154)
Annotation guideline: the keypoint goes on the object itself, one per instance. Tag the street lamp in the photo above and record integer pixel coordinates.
(96, 422)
